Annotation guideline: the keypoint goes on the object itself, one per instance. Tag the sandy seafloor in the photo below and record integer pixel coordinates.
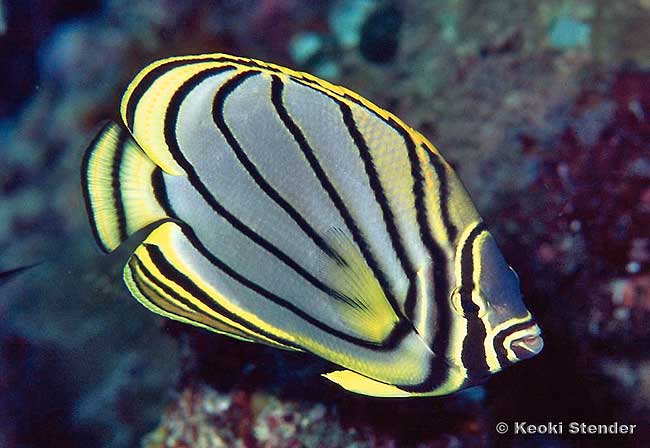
(542, 107)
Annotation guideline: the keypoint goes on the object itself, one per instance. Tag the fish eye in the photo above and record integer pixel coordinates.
(477, 300)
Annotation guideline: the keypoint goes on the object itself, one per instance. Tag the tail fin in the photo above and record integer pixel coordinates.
(118, 185)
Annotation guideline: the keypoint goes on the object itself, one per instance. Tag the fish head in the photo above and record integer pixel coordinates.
(493, 329)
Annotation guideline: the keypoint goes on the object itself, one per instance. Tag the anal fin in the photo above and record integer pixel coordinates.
(361, 301)
(162, 300)
(161, 274)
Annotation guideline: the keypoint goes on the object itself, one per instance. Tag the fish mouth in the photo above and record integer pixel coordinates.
(528, 344)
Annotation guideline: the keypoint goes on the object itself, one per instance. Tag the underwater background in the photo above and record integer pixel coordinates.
(543, 109)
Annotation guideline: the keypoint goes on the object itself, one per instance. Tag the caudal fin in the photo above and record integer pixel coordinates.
(118, 181)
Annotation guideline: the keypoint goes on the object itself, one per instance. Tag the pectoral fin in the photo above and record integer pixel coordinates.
(362, 303)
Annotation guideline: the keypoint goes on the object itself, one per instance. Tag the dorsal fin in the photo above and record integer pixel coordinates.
(159, 87)
(362, 303)
(118, 187)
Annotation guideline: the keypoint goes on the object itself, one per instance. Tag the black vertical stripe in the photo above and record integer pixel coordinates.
(443, 193)
(171, 118)
(440, 344)
(438, 257)
(441, 283)
(160, 192)
(473, 354)
(420, 217)
(473, 351)
(401, 329)
(174, 275)
(136, 264)
(439, 168)
(411, 298)
(147, 81)
(117, 189)
(467, 271)
(441, 286)
(218, 116)
(277, 88)
(377, 189)
(499, 338)
(502, 354)
(440, 274)
(439, 367)
(170, 137)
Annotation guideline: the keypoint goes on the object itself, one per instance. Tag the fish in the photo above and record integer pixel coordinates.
(292, 212)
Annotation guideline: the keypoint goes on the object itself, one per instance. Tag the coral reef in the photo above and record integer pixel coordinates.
(204, 418)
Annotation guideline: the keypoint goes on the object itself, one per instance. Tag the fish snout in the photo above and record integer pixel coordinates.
(528, 345)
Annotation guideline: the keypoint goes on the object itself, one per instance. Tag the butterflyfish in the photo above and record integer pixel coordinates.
(295, 213)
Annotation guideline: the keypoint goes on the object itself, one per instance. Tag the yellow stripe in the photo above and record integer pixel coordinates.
(99, 178)
(360, 384)
(149, 297)
(156, 292)
(490, 353)
(477, 297)
(164, 89)
(512, 357)
(392, 164)
(459, 323)
(407, 366)
(458, 267)
(182, 310)
(432, 201)
(149, 120)
(164, 237)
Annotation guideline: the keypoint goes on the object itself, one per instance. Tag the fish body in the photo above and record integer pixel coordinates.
(296, 213)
